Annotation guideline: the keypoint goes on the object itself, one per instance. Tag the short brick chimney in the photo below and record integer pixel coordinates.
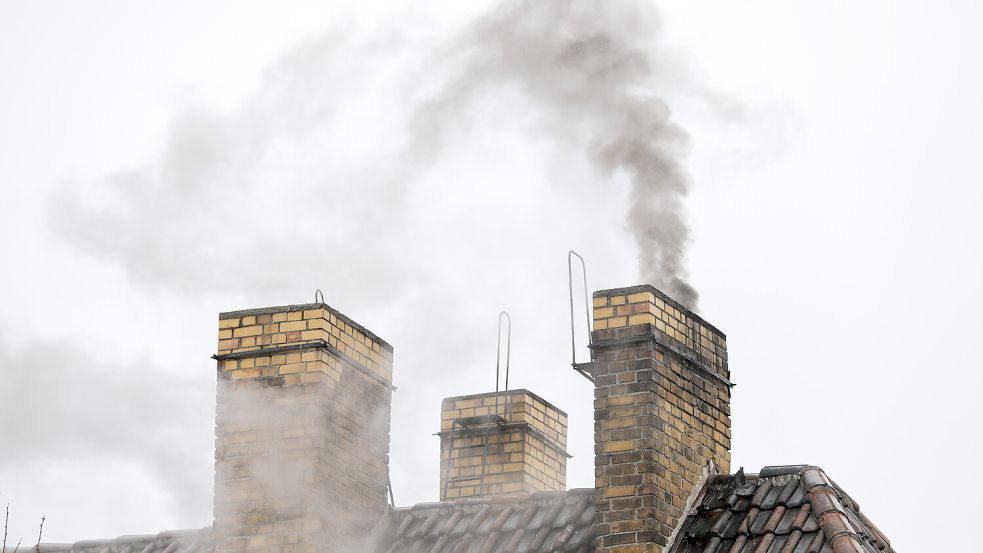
(501, 443)
(661, 411)
(302, 430)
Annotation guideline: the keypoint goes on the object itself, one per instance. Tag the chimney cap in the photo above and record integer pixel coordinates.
(640, 288)
(304, 307)
(516, 391)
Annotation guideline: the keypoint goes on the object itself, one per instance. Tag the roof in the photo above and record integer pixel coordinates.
(174, 541)
(787, 509)
(543, 521)
(790, 509)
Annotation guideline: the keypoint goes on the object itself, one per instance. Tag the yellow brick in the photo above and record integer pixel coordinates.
(292, 368)
(466, 403)
(617, 300)
(293, 357)
(600, 325)
(618, 491)
(228, 344)
(621, 445)
(600, 302)
(641, 318)
(512, 487)
(641, 297)
(247, 373)
(312, 335)
(615, 401)
(617, 322)
(293, 325)
(295, 316)
(308, 377)
(603, 313)
(249, 320)
(315, 314)
(228, 323)
(279, 317)
(224, 334)
(248, 331)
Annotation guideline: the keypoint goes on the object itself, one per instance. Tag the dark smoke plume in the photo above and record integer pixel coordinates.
(590, 69)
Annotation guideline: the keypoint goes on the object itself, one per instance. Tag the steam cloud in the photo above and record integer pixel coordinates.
(136, 413)
(589, 67)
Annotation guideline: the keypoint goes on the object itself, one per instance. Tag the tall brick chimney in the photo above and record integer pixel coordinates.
(501, 443)
(302, 430)
(661, 412)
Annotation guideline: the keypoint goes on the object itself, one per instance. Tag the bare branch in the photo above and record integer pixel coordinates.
(17, 547)
(37, 548)
(6, 521)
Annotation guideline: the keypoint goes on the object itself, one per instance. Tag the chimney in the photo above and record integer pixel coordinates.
(511, 442)
(302, 430)
(661, 412)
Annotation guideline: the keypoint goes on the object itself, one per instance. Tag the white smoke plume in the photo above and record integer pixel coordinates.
(591, 71)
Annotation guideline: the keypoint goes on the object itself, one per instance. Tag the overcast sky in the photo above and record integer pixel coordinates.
(163, 162)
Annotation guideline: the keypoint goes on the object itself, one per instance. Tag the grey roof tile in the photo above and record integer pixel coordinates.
(789, 509)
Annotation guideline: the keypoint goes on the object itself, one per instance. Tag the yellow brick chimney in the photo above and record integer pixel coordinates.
(511, 442)
(302, 430)
(661, 412)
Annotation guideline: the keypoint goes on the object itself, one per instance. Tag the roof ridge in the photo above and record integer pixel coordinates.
(541, 496)
(833, 516)
(128, 539)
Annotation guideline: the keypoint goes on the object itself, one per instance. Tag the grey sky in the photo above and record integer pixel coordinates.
(163, 163)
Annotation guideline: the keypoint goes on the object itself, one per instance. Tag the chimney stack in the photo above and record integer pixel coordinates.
(661, 412)
(511, 442)
(302, 430)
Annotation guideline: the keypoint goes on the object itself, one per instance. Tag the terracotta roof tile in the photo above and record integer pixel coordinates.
(789, 509)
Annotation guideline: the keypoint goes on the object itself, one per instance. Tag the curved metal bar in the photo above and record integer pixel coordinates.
(318, 293)
(508, 350)
(573, 334)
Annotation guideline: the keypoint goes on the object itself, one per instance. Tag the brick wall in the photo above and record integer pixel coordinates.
(662, 414)
(302, 430)
(501, 443)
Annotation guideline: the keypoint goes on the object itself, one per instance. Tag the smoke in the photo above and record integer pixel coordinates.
(591, 70)
(275, 190)
(265, 178)
(319, 179)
